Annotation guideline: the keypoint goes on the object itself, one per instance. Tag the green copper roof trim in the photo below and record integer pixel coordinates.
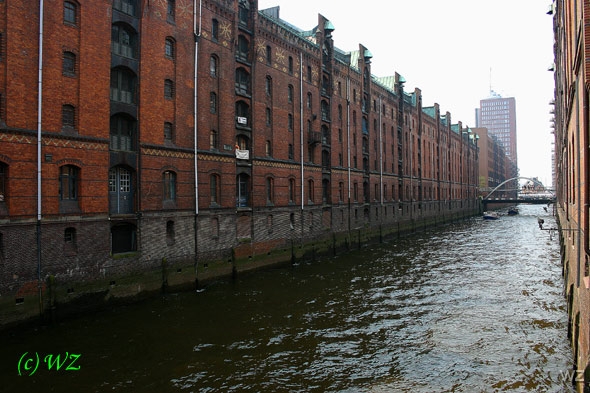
(328, 26)
(430, 111)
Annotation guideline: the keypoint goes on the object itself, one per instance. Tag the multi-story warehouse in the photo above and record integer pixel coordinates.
(202, 138)
(494, 165)
(572, 126)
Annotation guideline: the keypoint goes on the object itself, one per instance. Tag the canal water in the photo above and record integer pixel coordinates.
(474, 306)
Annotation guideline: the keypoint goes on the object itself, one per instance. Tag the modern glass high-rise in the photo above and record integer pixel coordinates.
(498, 115)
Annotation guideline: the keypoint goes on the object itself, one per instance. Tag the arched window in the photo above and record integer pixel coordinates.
(170, 48)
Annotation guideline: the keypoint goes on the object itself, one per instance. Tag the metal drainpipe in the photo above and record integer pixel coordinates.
(348, 146)
(380, 153)
(197, 35)
(578, 199)
(39, 188)
(301, 136)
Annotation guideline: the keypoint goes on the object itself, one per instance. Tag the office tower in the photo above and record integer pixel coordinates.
(498, 115)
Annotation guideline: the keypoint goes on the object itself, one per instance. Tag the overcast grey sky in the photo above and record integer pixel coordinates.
(447, 49)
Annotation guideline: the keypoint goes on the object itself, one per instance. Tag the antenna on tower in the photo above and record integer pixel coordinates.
(493, 94)
(491, 91)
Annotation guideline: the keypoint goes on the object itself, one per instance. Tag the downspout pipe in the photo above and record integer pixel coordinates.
(39, 127)
(380, 151)
(348, 146)
(197, 34)
(301, 128)
(301, 138)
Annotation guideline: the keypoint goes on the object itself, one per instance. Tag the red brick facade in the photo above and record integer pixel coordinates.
(118, 138)
(572, 131)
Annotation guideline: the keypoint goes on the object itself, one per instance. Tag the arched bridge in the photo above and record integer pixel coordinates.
(544, 196)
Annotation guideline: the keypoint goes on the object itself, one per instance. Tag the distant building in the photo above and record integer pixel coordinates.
(498, 115)
(494, 165)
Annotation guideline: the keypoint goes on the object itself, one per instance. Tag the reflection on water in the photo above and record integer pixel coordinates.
(475, 306)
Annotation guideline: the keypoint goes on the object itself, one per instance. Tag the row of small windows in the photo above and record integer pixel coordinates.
(124, 41)
(129, 7)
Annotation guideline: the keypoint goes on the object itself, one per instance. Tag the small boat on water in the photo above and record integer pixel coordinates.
(513, 211)
(490, 215)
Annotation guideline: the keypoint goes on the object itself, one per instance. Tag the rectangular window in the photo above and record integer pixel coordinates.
(70, 13)
(3, 181)
(168, 131)
(171, 10)
(169, 185)
(168, 89)
(68, 117)
(269, 190)
(213, 184)
(69, 63)
(68, 183)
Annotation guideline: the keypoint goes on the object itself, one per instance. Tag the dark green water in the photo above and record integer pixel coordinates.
(475, 306)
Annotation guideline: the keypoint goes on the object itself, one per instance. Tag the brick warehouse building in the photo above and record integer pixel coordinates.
(287, 144)
(572, 141)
